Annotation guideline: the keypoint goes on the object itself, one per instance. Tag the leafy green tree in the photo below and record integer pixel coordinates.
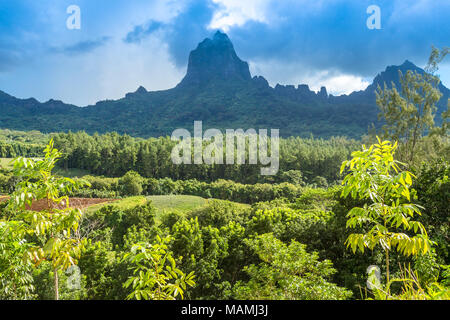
(98, 263)
(74, 288)
(156, 276)
(375, 176)
(131, 184)
(54, 227)
(436, 57)
(412, 288)
(203, 250)
(320, 182)
(433, 191)
(287, 272)
(293, 176)
(433, 66)
(409, 113)
(16, 281)
(218, 213)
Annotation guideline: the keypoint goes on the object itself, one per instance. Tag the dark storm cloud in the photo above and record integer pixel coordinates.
(322, 35)
(336, 36)
(183, 33)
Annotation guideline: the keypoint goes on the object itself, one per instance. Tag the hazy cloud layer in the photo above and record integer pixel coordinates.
(82, 46)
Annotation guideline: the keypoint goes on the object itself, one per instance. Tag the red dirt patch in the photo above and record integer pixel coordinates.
(78, 203)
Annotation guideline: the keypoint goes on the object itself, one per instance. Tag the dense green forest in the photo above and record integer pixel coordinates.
(114, 155)
(111, 217)
(232, 251)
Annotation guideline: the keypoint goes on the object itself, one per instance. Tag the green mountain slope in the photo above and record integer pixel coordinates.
(219, 90)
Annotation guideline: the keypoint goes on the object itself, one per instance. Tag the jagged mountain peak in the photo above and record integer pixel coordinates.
(215, 60)
(219, 39)
(141, 89)
(408, 64)
(391, 74)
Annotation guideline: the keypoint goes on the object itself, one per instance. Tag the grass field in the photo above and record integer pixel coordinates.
(163, 204)
(179, 203)
(123, 204)
(5, 163)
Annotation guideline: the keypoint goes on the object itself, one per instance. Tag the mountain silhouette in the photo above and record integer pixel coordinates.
(219, 90)
(215, 60)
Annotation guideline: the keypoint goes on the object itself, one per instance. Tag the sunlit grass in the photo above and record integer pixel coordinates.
(122, 204)
(179, 203)
(6, 163)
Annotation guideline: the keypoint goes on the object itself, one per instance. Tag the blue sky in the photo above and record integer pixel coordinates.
(123, 44)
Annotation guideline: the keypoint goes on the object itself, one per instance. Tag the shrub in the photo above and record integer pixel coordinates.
(131, 184)
(287, 272)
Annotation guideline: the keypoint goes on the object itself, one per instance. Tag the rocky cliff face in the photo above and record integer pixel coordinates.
(215, 60)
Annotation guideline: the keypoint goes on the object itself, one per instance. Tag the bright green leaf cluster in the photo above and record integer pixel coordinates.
(156, 276)
(55, 227)
(374, 175)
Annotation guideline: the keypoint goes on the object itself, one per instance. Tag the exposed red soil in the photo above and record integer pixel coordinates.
(78, 203)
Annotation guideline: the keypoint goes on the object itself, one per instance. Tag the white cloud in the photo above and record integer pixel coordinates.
(147, 64)
(238, 12)
(293, 74)
(108, 72)
(341, 84)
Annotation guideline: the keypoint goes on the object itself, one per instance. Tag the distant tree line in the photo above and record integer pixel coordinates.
(132, 184)
(12, 150)
(301, 160)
